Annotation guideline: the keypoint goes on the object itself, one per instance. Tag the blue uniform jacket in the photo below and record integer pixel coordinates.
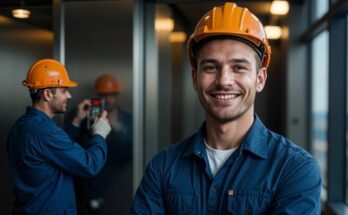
(267, 174)
(42, 160)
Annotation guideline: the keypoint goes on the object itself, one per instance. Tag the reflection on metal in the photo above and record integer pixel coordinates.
(21, 13)
(5, 21)
(279, 7)
(177, 37)
(273, 32)
(164, 24)
(138, 98)
(59, 39)
(59, 30)
(151, 88)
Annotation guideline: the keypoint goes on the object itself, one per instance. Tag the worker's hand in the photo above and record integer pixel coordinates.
(82, 112)
(101, 125)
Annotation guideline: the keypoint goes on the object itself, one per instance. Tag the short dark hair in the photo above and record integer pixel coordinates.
(36, 94)
(260, 51)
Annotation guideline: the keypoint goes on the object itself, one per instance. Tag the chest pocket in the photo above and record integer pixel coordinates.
(179, 202)
(248, 202)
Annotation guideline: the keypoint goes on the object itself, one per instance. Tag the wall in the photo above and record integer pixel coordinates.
(98, 39)
(21, 44)
(98, 36)
(297, 129)
(270, 104)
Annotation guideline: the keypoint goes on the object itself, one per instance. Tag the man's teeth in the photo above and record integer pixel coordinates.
(225, 96)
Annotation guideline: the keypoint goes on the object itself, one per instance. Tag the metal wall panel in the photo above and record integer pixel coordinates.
(21, 44)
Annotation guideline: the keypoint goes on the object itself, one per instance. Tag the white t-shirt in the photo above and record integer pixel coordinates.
(217, 158)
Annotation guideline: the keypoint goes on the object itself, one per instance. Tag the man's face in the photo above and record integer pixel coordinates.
(226, 79)
(110, 100)
(60, 100)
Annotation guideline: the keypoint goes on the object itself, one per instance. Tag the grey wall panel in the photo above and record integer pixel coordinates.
(297, 79)
(21, 45)
(98, 39)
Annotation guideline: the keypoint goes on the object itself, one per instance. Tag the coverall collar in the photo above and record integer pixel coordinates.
(253, 142)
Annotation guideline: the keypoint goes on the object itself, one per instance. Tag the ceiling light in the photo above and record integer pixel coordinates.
(273, 32)
(177, 37)
(279, 7)
(21, 13)
(164, 24)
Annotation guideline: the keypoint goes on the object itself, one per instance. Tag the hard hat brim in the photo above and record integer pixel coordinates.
(72, 84)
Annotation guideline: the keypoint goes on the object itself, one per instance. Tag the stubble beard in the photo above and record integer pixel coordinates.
(61, 108)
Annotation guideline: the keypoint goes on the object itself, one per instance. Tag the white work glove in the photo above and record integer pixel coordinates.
(101, 126)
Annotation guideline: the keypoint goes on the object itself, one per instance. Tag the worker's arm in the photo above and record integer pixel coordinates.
(298, 191)
(148, 198)
(59, 149)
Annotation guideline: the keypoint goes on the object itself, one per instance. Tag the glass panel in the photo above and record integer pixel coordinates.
(319, 109)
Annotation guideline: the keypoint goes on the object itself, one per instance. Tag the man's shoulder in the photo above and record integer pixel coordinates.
(296, 170)
(32, 124)
(171, 158)
(177, 148)
(35, 125)
(29, 131)
(279, 146)
(174, 152)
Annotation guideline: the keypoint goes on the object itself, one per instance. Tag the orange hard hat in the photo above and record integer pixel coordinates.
(234, 21)
(47, 73)
(107, 84)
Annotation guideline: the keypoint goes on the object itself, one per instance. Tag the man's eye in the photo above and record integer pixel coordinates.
(209, 68)
(240, 68)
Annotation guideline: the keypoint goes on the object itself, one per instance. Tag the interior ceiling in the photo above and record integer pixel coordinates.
(192, 12)
(189, 10)
(41, 11)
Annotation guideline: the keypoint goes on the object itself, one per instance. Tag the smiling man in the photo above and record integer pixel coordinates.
(41, 155)
(233, 164)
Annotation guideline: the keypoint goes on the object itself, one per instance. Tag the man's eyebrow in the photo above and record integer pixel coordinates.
(208, 61)
(240, 60)
(234, 60)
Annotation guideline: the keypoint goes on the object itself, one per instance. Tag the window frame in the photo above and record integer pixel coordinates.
(335, 20)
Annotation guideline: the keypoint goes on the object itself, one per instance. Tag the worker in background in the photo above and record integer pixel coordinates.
(110, 192)
(233, 164)
(43, 158)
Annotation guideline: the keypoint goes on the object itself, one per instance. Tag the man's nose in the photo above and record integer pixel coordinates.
(68, 95)
(225, 76)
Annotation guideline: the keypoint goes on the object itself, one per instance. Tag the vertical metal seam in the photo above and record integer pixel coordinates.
(138, 96)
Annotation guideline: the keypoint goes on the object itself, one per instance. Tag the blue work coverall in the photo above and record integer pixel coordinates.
(43, 160)
(267, 174)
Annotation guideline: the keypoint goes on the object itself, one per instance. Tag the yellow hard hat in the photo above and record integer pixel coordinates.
(234, 21)
(107, 84)
(47, 73)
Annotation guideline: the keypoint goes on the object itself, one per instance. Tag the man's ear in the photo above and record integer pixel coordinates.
(47, 95)
(261, 79)
(194, 78)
